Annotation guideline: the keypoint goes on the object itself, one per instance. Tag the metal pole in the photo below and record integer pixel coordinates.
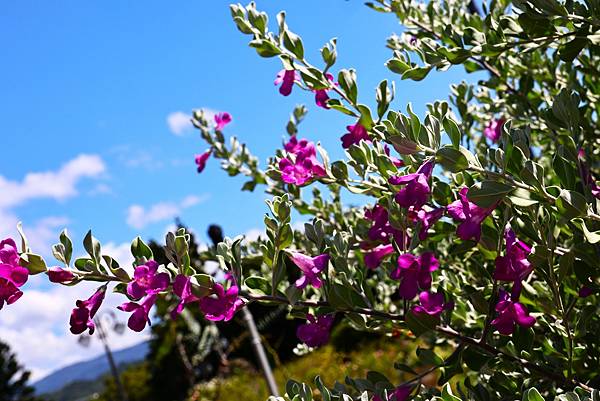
(111, 361)
(259, 350)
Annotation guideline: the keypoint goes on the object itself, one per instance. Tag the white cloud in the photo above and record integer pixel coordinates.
(37, 327)
(121, 253)
(58, 185)
(139, 217)
(179, 122)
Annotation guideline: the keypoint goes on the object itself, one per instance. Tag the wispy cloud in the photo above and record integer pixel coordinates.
(180, 124)
(139, 216)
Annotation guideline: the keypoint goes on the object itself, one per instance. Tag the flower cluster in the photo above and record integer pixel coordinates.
(12, 274)
(300, 166)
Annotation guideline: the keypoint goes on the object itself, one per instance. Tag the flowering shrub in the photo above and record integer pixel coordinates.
(480, 233)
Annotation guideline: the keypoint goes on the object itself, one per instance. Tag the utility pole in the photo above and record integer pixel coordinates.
(111, 362)
(216, 235)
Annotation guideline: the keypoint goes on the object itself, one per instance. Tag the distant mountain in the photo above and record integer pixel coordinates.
(89, 370)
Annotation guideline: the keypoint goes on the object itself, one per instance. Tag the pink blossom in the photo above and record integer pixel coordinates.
(301, 165)
(431, 304)
(493, 130)
(82, 317)
(416, 189)
(59, 275)
(415, 273)
(138, 319)
(395, 161)
(513, 266)
(321, 95)
(146, 280)
(315, 332)
(374, 257)
(201, 160)
(311, 267)
(427, 218)
(382, 230)
(182, 287)
(286, 78)
(586, 174)
(221, 120)
(509, 313)
(223, 305)
(469, 214)
(12, 275)
(355, 134)
(399, 394)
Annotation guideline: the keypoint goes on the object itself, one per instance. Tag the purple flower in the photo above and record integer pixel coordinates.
(182, 287)
(374, 257)
(513, 266)
(201, 160)
(415, 273)
(469, 214)
(12, 275)
(321, 96)
(416, 186)
(587, 176)
(509, 313)
(316, 331)
(382, 230)
(286, 78)
(585, 291)
(146, 280)
(493, 131)
(221, 120)
(431, 304)
(311, 268)
(301, 165)
(138, 319)
(399, 394)
(395, 161)
(355, 134)
(82, 317)
(223, 306)
(427, 219)
(58, 275)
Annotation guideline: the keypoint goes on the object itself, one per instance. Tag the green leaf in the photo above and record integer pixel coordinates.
(404, 146)
(347, 82)
(447, 393)
(428, 357)
(265, 48)
(488, 193)
(258, 285)
(451, 159)
(329, 53)
(571, 204)
(570, 50)
(34, 263)
(92, 247)
(417, 73)
(398, 66)
(140, 250)
(453, 131)
(532, 395)
(68, 246)
(293, 43)
(421, 323)
(24, 244)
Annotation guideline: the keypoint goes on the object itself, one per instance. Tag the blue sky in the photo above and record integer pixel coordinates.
(90, 86)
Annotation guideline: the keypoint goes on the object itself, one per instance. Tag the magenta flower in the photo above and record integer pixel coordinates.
(585, 292)
(415, 273)
(301, 165)
(416, 186)
(374, 257)
(513, 266)
(311, 268)
(382, 230)
(399, 394)
(286, 78)
(395, 161)
(138, 319)
(427, 219)
(431, 304)
(321, 95)
(469, 214)
(315, 332)
(510, 313)
(587, 176)
(12, 275)
(82, 317)
(493, 131)
(182, 287)
(201, 160)
(221, 120)
(223, 306)
(355, 134)
(58, 275)
(146, 280)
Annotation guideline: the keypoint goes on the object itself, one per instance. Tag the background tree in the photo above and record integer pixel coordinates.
(13, 378)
